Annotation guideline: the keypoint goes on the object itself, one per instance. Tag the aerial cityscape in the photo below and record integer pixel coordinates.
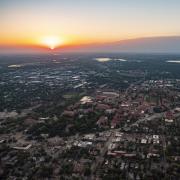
(89, 116)
(89, 90)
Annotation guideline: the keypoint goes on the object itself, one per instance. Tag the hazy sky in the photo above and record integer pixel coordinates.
(25, 22)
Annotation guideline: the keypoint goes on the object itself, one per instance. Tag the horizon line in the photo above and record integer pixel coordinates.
(30, 48)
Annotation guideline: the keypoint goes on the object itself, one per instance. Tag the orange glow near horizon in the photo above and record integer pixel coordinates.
(44, 40)
(50, 41)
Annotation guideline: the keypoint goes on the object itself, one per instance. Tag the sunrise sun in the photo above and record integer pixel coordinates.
(52, 41)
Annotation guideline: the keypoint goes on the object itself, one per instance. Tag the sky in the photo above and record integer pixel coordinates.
(75, 22)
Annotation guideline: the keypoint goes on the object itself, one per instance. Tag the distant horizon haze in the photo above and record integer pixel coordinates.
(170, 44)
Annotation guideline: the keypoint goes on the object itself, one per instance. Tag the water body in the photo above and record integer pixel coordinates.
(123, 60)
(105, 59)
(14, 66)
(177, 61)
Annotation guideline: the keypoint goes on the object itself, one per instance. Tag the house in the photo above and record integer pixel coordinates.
(102, 107)
(103, 121)
(89, 136)
(70, 114)
(2, 141)
(143, 141)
